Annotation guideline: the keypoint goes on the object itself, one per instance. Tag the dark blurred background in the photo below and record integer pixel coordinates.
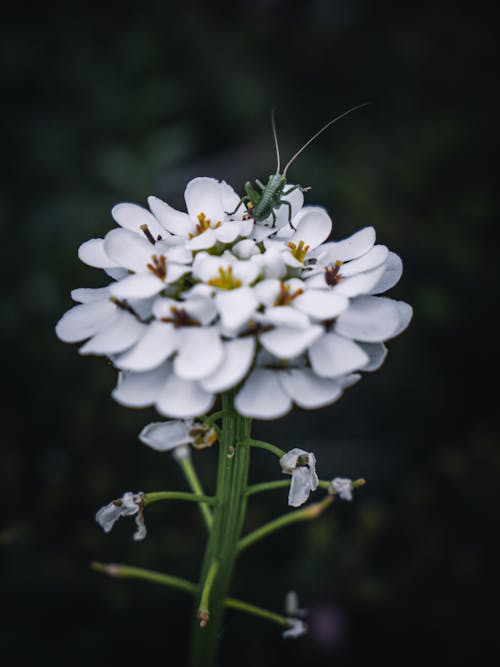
(129, 99)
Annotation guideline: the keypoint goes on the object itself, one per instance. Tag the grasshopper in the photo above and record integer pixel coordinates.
(261, 205)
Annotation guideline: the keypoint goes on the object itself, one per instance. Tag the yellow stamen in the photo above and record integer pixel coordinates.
(158, 266)
(225, 280)
(299, 251)
(286, 296)
(204, 223)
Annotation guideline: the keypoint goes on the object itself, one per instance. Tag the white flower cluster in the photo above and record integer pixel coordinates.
(204, 301)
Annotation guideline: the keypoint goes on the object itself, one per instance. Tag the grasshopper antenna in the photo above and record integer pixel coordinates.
(273, 123)
(315, 136)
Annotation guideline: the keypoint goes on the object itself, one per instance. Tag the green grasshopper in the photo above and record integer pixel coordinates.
(261, 205)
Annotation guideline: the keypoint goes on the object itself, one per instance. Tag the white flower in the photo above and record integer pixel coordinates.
(301, 466)
(342, 487)
(166, 436)
(206, 223)
(130, 504)
(296, 628)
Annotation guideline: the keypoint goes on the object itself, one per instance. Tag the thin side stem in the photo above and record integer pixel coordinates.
(239, 605)
(192, 479)
(250, 442)
(156, 496)
(306, 514)
(204, 608)
(128, 572)
(267, 486)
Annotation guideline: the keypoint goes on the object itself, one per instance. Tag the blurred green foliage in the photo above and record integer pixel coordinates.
(129, 99)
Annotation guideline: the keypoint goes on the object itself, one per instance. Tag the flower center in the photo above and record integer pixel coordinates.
(225, 279)
(299, 251)
(180, 318)
(158, 266)
(204, 223)
(203, 436)
(286, 296)
(332, 275)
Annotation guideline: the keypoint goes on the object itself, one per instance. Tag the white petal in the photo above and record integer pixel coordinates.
(89, 294)
(246, 271)
(308, 390)
(369, 318)
(200, 353)
(300, 486)
(356, 245)
(238, 357)
(361, 283)
(118, 336)
(230, 199)
(296, 200)
(405, 315)
(271, 263)
(376, 352)
(204, 195)
(157, 344)
(117, 274)
(288, 342)
(164, 436)
(175, 272)
(172, 220)
(236, 306)
(183, 399)
(206, 239)
(314, 227)
(85, 320)
(138, 286)
(321, 304)
(128, 249)
(138, 390)
(228, 232)
(333, 355)
(92, 253)
(262, 396)
(371, 260)
(132, 216)
(267, 291)
(393, 269)
(287, 316)
(108, 515)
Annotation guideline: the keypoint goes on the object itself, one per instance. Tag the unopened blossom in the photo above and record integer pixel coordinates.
(301, 465)
(342, 487)
(166, 436)
(292, 607)
(130, 504)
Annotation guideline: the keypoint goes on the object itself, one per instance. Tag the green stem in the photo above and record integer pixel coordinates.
(155, 496)
(267, 486)
(228, 516)
(306, 514)
(189, 471)
(204, 608)
(216, 416)
(129, 572)
(250, 442)
(232, 603)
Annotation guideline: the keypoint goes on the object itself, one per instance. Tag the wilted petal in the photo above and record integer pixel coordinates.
(204, 195)
(183, 399)
(164, 436)
(238, 357)
(108, 515)
(157, 344)
(369, 318)
(236, 306)
(321, 304)
(342, 487)
(85, 320)
(92, 253)
(262, 396)
(132, 216)
(138, 390)
(174, 221)
(200, 353)
(296, 628)
(288, 342)
(117, 337)
(308, 390)
(300, 486)
(333, 355)
(137, 286)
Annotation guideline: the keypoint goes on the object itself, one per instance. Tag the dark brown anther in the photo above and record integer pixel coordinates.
(158, 266)
(147, 234)
(124, 305)
(180, 318)
(332, 274)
